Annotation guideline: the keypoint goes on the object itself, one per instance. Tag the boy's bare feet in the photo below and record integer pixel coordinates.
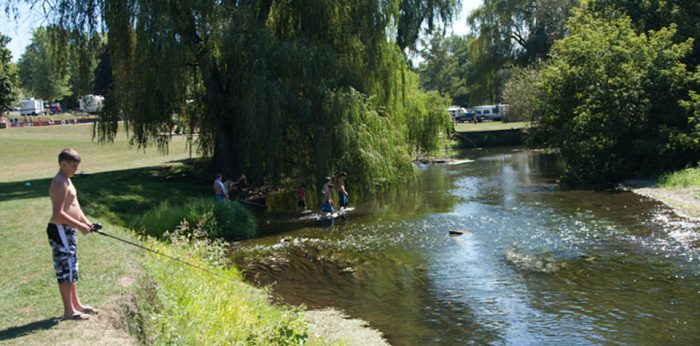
(87, 309)
(75, 317)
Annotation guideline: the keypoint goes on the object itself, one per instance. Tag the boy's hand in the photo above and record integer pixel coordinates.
(86, 228)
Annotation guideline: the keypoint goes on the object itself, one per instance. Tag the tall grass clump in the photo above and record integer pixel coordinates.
(689, 177)
(227, 220)
(182, 305)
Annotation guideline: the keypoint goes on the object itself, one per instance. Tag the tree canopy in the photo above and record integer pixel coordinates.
(616, 102)
(275, 89)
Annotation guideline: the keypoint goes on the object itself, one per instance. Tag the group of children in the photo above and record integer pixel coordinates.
(327, 204)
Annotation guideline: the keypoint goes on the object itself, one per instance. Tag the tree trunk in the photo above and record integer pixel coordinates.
(227, 156)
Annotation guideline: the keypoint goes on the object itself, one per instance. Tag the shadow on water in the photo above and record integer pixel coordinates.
(534, 264)
(20, 331)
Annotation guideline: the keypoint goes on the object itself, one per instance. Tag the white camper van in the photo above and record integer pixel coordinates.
(91, 103)
(491, 112)
(31, 107)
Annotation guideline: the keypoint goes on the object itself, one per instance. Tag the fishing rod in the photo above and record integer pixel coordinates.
(97, 227)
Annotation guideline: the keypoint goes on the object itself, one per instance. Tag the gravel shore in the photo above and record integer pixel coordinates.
(684, 201)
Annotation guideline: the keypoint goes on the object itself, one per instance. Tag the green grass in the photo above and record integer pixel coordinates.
(689, 177)
(491, 126)
(121, 184)
(191, 307)
(29, 153)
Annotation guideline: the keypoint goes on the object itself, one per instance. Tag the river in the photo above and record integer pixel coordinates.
(536, 264)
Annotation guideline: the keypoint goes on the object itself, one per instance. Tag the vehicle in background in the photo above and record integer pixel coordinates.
(454, 110)
(55, 108)
(491, 112)
(91, 103)
(464, 117)
(31, 107)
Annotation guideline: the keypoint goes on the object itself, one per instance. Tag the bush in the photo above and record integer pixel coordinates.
(166, 217)
(230, 221)
(612, 101)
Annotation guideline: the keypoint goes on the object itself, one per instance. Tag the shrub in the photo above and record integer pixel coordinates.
(166, 217)
(612, 101)
(230, 221)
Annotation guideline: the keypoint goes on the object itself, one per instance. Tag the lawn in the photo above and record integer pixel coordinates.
(491, 126)
(175, 304)
(31, 152)
(122, 182)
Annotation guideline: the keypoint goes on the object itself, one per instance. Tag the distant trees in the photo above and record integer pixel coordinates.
(58, 63)
(43, 69)
(8, 76)
(523, 93)
(444, 66)
(511, 33)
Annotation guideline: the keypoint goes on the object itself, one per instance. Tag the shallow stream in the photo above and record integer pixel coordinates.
(536, 264)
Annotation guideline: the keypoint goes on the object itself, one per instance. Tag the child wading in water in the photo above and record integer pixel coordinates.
(66, 219)
(301, 197)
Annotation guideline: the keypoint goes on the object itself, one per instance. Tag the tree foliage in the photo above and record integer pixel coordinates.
(444, 66)
(523, 93)
(511, 33)
(8, 76)
(275, 89)
(613, 100)
(43, 70)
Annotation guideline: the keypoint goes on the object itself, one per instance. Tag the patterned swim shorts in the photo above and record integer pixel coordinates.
(64, 245)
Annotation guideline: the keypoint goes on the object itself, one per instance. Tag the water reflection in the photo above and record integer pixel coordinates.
(536, 264)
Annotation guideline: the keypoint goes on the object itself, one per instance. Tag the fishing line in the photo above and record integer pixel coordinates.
(97, 229)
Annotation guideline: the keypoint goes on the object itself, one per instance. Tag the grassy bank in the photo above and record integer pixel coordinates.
(689, 177)
(491, 126)
(178, 305)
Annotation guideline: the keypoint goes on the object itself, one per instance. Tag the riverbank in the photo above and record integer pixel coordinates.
(119, 183)
(685, 201)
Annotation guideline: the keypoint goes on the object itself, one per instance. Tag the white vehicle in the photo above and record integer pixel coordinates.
(91, 103)
(454, 110)
(491, 112)
(31, 107)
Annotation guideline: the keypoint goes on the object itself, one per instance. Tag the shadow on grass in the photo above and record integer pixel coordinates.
(20, 331)
(118, 196)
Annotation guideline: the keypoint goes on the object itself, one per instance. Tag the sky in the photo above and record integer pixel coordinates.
(20, 30)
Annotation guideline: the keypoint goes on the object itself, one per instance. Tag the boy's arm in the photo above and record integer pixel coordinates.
(58, 194)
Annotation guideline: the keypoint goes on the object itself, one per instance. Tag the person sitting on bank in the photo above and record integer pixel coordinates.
(220, 191)
(327, 193)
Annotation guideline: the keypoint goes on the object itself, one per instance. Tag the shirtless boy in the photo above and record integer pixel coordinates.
(65, 219)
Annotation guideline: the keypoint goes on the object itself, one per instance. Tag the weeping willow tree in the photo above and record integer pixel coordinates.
(276, 89)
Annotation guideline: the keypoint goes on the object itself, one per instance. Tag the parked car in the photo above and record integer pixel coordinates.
(464, 117)
(55, 108)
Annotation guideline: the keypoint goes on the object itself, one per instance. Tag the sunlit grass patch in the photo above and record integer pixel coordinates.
(184, 305)
(689, 177)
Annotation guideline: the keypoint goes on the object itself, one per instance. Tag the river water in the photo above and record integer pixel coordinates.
(536, 264)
